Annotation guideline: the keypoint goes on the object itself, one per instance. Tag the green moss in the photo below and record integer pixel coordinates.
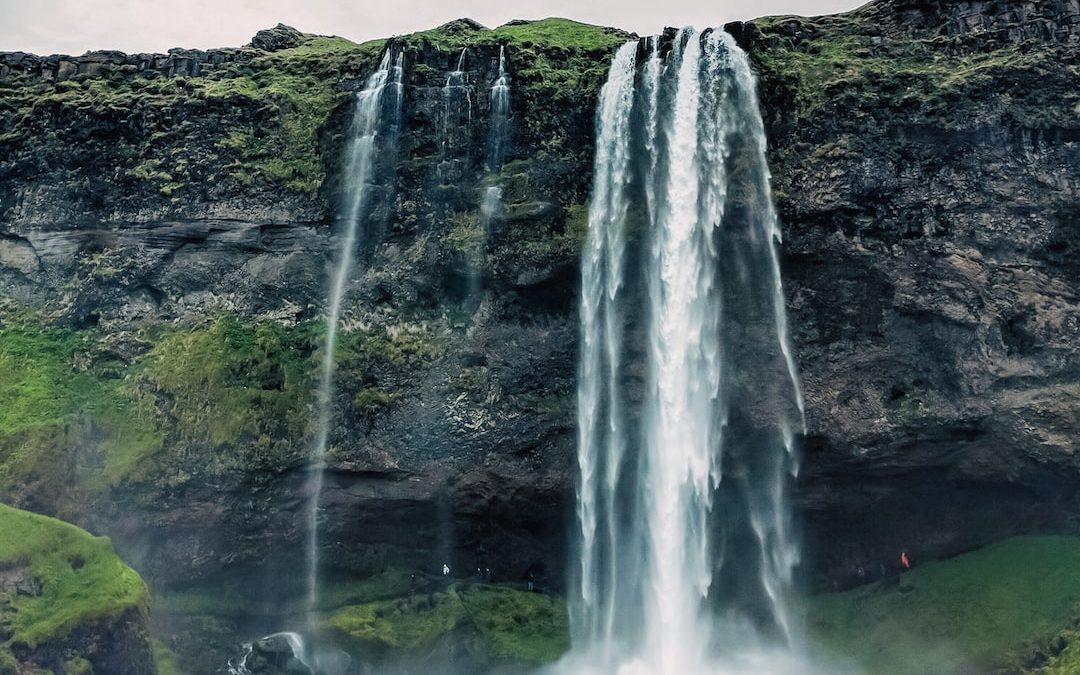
(493, 623)
(372, 399)
(973, 613)
(78, 666)
(465, 234)
(58, 395)
(238, 395)
(842, 64)
(516, 626)
(410, 623)
(81, 579)
(1066, 657)
(165, 660)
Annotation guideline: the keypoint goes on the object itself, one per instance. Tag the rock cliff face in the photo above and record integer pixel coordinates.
(167, 221)
(926, 162)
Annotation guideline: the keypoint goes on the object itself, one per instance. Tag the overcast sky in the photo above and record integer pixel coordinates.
(76, 26)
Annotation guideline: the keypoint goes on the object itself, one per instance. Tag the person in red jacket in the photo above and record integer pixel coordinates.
(904, 561)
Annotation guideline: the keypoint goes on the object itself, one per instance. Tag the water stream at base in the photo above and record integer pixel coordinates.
(686, 552)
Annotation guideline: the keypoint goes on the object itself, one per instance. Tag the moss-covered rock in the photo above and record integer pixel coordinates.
(67, 602)
(466, 622)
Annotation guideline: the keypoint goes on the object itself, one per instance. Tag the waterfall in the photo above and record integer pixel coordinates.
(686, 552)
(456, 119)
(498, 134)
(374, 112)
(499, 128)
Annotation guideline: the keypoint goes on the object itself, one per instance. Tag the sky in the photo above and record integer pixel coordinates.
(76, 26)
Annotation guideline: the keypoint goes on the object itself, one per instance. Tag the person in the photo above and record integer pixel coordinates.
(445, 570)
(532, 580)
(904, 561)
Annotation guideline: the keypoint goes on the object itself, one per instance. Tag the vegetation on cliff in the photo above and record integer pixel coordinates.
(836, 89)
(493, 624)
(253, 120)
(65, 412)
(55, 579)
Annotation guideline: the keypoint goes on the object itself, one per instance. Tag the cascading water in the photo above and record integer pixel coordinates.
(686, 549)
(499, 129)
(376, 108)
(456, 118)
(498, 134)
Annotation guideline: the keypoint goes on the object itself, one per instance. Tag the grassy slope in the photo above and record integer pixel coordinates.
(81, 578)
(492, 622)
(1014, 605)
(982, 610)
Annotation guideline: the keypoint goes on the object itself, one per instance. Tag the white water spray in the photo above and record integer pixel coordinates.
(686, 550)
(381, 95)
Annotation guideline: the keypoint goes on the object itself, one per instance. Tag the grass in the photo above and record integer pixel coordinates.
(840, 64)
(552, 32)
(974, 613)
(517, 626)
(58, 393)
(239, 395)
(268, 111)
(82, 579)
(225, 599)
(561, 33)
(493, 623)
(410, 623)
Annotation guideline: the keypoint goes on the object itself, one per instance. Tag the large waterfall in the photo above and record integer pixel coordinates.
(376, 108)
(688, 399)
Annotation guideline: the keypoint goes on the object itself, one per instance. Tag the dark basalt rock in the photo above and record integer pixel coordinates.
(278, 37)
(930, 223)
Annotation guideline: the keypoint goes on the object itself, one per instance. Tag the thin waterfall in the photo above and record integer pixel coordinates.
(456, 118)
(380, 98)
(498, 135)
(499, 127)
(685, 543)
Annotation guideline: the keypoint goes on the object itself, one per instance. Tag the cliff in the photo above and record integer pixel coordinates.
(167, 221)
